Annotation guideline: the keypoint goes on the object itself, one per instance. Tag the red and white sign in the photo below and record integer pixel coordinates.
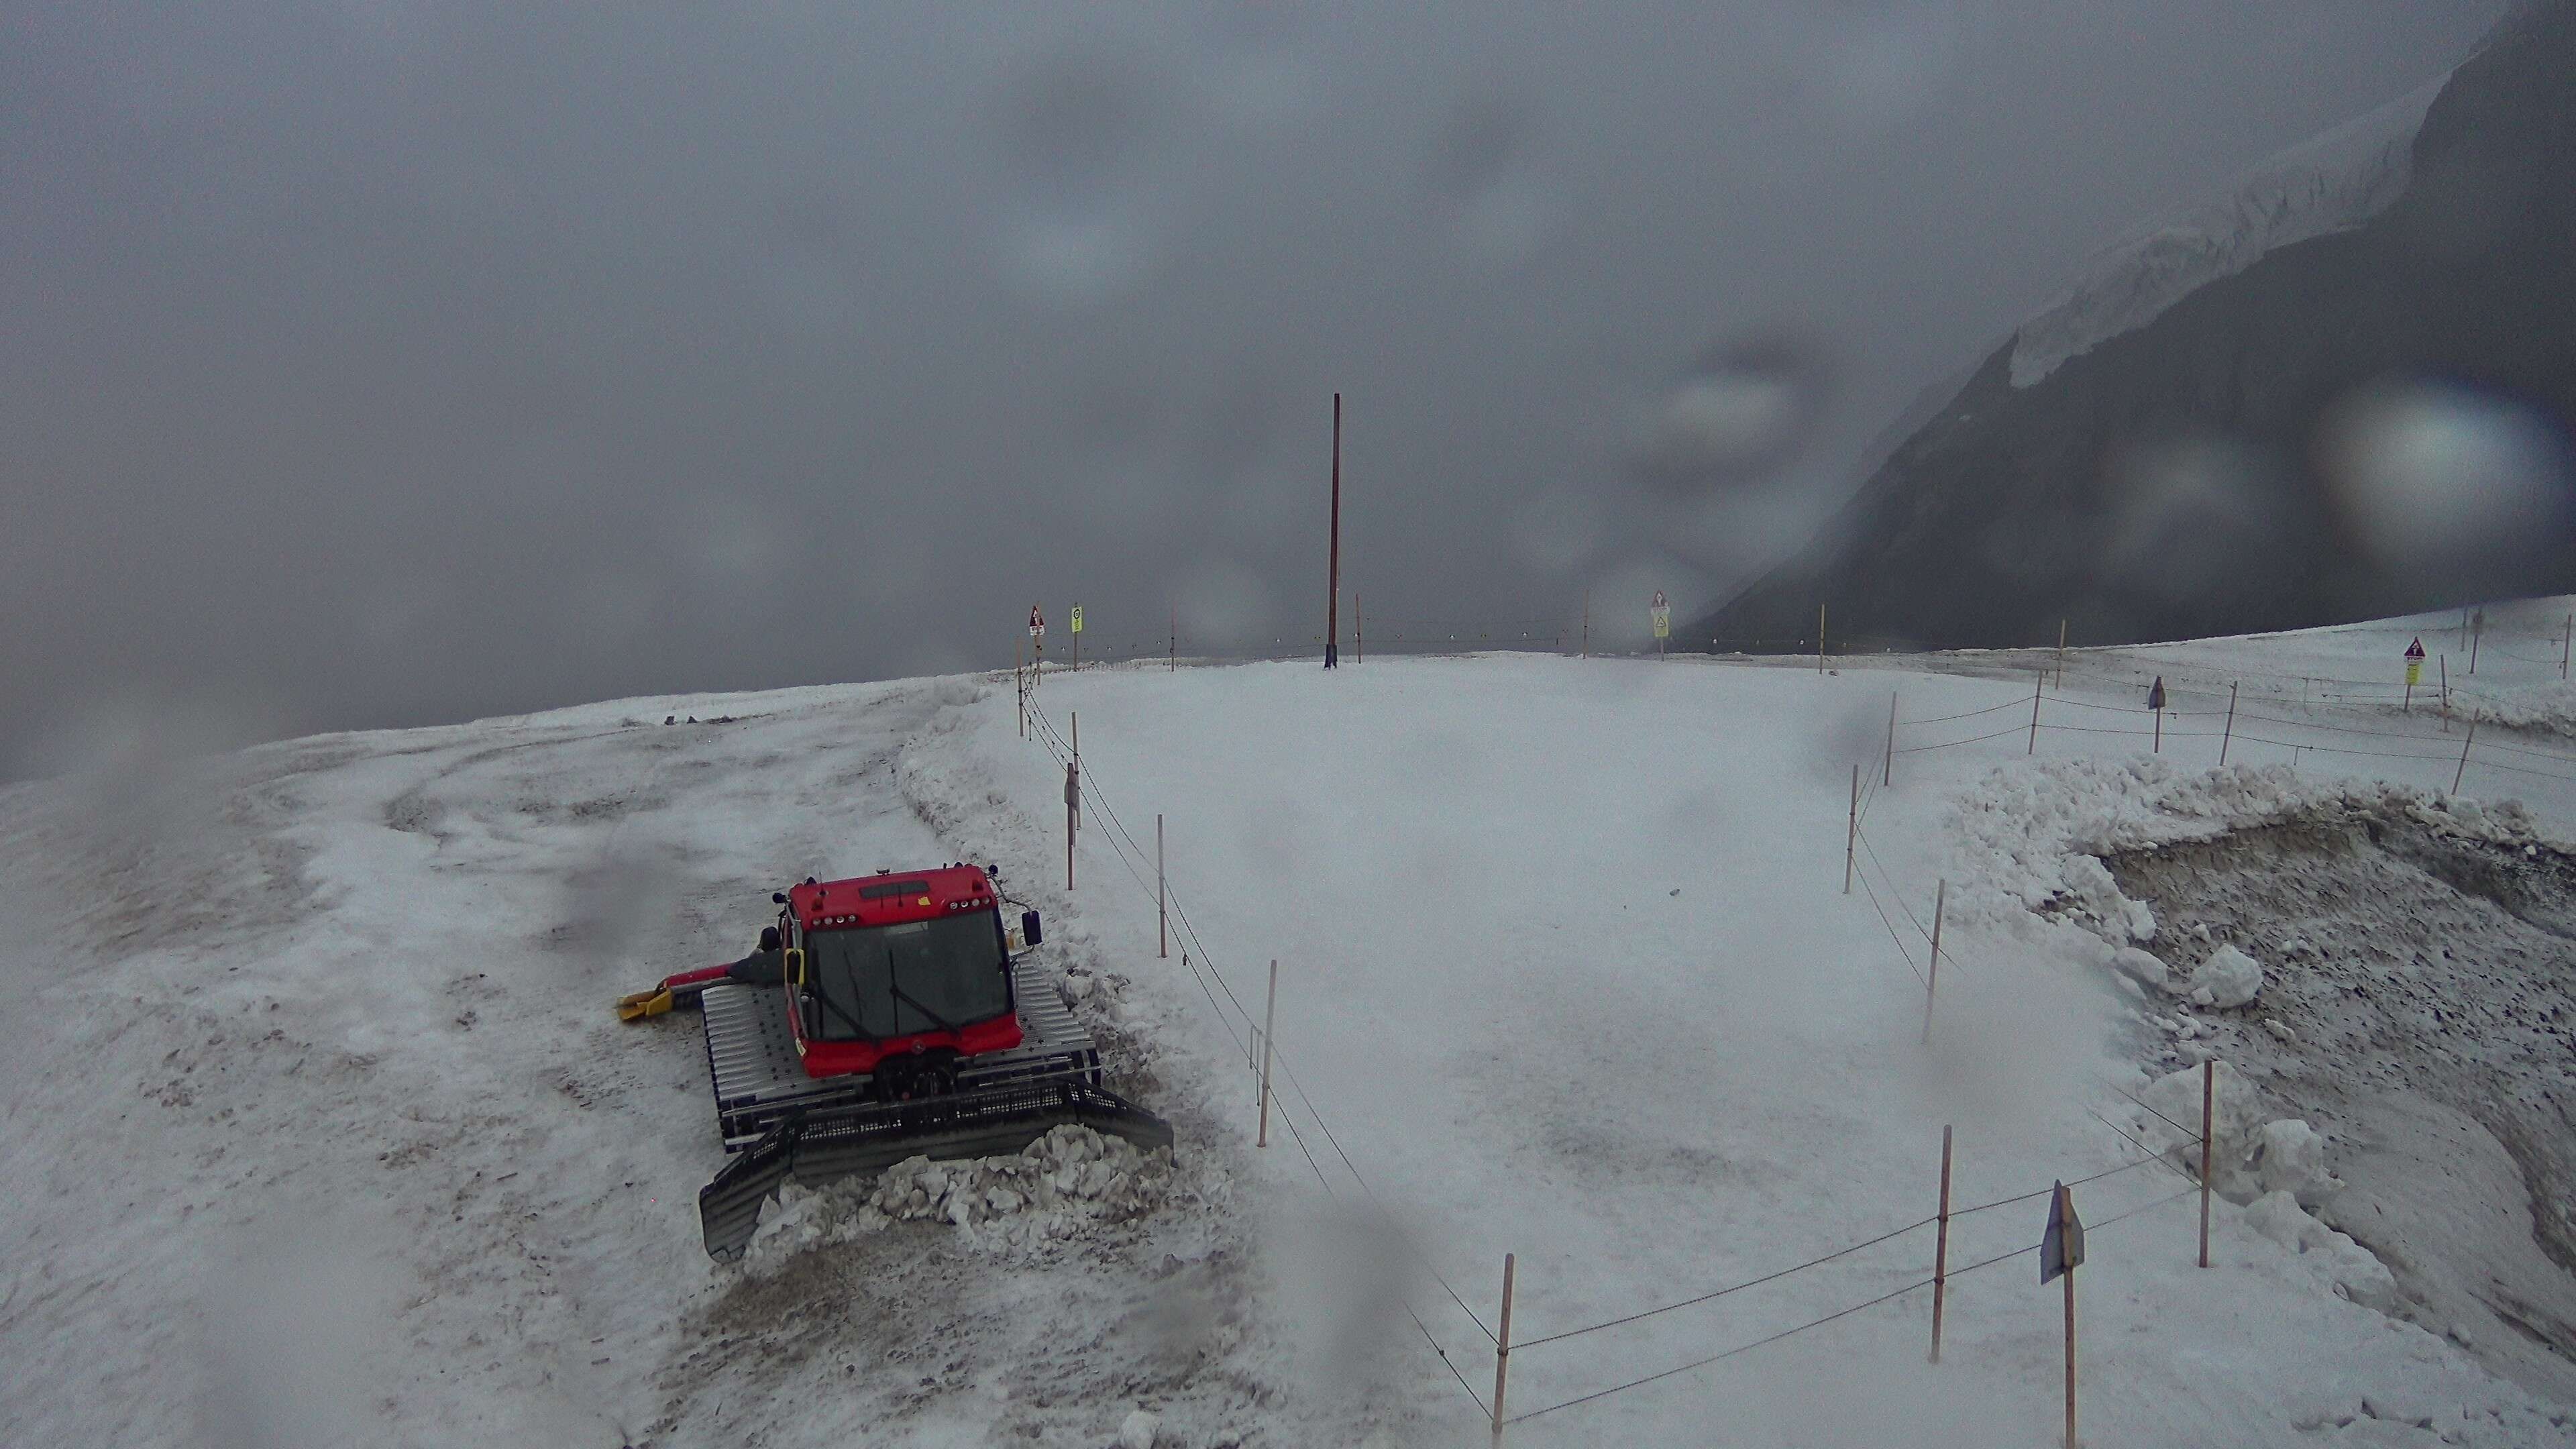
(1037, 623)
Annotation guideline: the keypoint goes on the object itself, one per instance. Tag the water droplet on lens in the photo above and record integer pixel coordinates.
(2434, 473)
(1738, 416)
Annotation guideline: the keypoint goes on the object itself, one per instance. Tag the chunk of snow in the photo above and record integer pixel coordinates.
(1139, 1430)
(2347, 1266)
(2229, 976)
(2140, 966)
(2290, 1156)
(2173, 1122)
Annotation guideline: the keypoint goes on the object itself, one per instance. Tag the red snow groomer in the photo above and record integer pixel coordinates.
(884, 1017)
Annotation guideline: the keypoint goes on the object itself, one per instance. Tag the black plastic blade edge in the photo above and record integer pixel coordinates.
(729, 1206)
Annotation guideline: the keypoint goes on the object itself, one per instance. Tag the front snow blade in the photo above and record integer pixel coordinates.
(993, 1123)
(820, 1144)
(729, 1207)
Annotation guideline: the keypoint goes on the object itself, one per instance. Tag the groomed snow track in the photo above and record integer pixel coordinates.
(777, 1121)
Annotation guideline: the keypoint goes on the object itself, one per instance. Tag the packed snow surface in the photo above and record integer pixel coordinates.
(326, 1133)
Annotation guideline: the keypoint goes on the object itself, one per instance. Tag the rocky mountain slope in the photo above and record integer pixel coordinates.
(2355, 421)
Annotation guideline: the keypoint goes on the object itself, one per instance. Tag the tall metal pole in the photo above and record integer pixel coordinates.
(1333, 582)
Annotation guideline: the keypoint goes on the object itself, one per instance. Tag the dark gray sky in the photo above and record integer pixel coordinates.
(379, 363)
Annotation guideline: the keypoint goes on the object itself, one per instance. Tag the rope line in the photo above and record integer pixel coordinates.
(1953, 744)
(1972, 714)
(1730, 1353)
(1723, 1292)
(1062, 750)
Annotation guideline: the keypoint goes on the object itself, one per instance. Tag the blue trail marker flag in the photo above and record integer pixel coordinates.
(2061, 1248)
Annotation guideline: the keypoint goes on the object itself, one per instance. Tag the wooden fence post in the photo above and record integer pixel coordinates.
(1887, 773)
(1851, 832)
(2035, 682)
(1941, 1249)
(2445, 664)
(2208, 1112)
(2070, 1336)
(2462, 772)
(1932, 978)
(1162, 915)
(2061, 654)
(1820, 638)
(1503, 1351)
(1269, 1018)
(2229, 735)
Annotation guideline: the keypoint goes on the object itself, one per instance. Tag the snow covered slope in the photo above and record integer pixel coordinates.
(321, 1130)
(2335, 180)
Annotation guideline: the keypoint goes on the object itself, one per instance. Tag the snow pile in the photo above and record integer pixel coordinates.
(2349, 1267)
(1057, 1187)
(2336, 180)
(1072, 1175)
(2033, 835)
(2251, 1153)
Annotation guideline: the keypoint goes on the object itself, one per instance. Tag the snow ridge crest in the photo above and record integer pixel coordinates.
(2329, 183)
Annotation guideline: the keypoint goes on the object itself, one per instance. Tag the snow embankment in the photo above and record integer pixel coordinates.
(2380, 978)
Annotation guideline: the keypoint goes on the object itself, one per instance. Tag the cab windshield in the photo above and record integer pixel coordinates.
(880, 981)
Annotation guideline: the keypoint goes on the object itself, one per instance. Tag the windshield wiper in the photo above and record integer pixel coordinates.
(905, 998)
(834, 1007)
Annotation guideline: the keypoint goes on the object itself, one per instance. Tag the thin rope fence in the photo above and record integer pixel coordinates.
(1836, 1315)
(1062, 750)
(1214, 981)
(2470, 751)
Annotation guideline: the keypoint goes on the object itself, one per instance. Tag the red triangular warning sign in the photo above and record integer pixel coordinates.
(2415, 650)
